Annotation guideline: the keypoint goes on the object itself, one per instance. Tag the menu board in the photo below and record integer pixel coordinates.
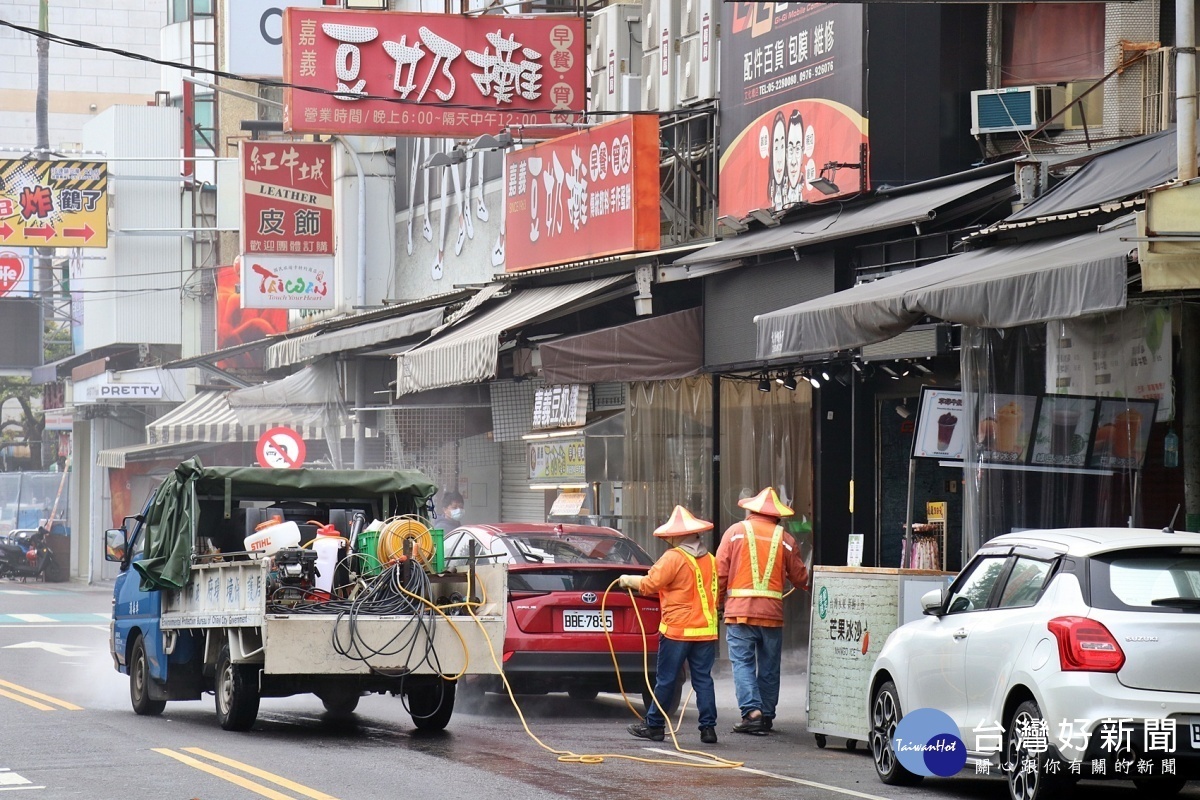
(1063, 430)
(1005, 428)
(1122, 433)
(941, 433)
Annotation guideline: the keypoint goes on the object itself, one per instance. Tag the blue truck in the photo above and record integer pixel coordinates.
(195, 612)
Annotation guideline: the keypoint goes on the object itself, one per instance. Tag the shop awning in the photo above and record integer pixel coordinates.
(118, 457)
(839, 223)
(998, 287)
(655, 349)
(372, 334)
(468, 352)
(208, 417)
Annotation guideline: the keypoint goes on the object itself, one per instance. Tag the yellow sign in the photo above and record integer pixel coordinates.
(936, 512)
(53, 203)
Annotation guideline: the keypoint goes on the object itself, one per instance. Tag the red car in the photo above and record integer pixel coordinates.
(557, 575)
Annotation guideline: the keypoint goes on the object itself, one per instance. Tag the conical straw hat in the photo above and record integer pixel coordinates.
(766, 502)
(682, 523)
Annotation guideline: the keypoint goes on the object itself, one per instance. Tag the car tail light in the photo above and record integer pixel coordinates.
(1085, 645)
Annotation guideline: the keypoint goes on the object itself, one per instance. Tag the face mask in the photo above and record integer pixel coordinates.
(455, 513)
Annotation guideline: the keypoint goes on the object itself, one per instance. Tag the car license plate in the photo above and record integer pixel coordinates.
(587, 621)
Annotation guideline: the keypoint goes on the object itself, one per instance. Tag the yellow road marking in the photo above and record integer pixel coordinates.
(260, 773)
(27, 701)
(237, 780)
(40, 696)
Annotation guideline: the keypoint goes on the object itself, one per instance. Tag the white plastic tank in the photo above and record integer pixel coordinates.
(273, 536)
(327, 544)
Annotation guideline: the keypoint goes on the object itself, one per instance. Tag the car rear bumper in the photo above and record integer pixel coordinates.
(575, 664)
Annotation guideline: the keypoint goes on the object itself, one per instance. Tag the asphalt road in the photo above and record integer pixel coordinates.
(68, 732)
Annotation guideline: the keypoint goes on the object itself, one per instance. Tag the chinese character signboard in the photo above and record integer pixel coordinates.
(395, 73)
(560, 406)
(557, 460)
(792, 88)
(286, 281)
(588, 194)
(287, 198)
(53, 203)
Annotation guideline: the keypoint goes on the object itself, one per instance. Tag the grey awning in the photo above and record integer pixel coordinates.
(208, 417)
(998, 287)
(655, 349)
(468, 352)
(839, 223)
(118, 457)
(373, 334)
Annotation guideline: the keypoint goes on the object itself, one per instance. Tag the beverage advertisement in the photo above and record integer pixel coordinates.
(1122, 433)
(1005, 428)
(941, 432)
(1063, 426)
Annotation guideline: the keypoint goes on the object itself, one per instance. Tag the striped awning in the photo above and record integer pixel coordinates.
(207, 417)
(118, 457)
(467, 352)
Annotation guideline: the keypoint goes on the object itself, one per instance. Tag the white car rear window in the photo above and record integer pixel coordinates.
(1147, 579)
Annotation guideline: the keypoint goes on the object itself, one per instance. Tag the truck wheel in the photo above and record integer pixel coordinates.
(340, 702)
(431, 704)
(139, 682)
(237, 694)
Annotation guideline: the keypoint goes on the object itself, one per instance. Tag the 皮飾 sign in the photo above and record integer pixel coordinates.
(286, 281)
(53, 203)
(587, 194)
(287, 198)
(439, 74)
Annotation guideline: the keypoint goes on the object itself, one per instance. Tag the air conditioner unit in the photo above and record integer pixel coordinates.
(650, 83)
(616, 51)
(631, 93)
(660, 33)
(697, 69)
(1017, 108)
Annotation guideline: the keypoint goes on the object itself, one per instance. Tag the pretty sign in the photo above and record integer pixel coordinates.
(434, 74)
(286, 281)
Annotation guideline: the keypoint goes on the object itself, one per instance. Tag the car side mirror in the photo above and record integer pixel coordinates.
(115, 545)
(932, 602)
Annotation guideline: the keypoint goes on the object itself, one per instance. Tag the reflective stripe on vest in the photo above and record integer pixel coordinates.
(761, 580)
(709, 608)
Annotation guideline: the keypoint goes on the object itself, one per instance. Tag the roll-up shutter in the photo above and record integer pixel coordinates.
(518, 503)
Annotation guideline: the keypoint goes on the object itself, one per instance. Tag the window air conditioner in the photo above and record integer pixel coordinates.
(1017, 108)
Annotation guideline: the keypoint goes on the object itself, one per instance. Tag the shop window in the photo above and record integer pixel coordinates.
(1045, 43)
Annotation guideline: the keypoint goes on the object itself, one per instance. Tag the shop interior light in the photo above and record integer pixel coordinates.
(780, 377)
(816, 384)
(789, 382)
(764, 384)
(894, 375)
(923, 368)
(825, 375)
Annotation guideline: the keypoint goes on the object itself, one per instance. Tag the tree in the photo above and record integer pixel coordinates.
(30, 427)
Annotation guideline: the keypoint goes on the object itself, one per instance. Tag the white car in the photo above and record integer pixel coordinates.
(1094, 632)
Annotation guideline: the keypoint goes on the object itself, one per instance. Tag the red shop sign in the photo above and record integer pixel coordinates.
(456, 76)
(287, 198)
(588, 194)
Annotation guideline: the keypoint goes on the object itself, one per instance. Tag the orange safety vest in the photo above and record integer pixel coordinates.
(706, 600)
(749, 580)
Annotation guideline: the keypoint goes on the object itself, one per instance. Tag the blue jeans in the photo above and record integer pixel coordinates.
(755, 652)
(700, 657)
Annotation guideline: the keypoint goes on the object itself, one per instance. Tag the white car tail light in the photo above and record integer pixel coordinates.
(1085, 645)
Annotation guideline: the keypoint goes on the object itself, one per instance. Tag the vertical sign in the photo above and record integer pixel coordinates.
(589, 194)
(396, 73)
(792, 89)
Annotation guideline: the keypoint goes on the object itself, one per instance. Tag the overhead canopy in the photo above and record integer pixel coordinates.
(468, 351)
(998, 287)
(372, 334)
(1123, 172)
(655, 349)
(118, 457)
(207, 417)
(838, 223)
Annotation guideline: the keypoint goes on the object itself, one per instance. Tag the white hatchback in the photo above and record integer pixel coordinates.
(1059, 655)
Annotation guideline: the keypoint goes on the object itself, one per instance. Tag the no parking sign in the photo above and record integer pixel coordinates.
(281, 448)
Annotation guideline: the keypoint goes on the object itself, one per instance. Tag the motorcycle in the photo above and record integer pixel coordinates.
(25, 554)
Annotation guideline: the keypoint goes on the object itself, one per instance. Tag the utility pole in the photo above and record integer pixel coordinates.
(45, 277)
(1185, 149)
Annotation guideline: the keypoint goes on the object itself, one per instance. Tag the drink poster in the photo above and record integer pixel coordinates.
(1063, 427)
(941, 433)
(1006, 427)
(1122, 433)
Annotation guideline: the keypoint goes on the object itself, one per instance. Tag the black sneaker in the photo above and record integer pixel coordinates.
(708, 735)
(643, 731)
(751, 725)
(768, 723)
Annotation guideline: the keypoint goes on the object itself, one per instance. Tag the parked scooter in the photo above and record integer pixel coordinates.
(25, 554)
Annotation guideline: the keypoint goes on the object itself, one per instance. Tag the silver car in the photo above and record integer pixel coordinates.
(1059, 655)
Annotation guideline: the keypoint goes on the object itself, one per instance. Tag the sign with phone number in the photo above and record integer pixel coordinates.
(561, 460)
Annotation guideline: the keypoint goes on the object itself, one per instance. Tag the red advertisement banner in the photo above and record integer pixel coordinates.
(237, 325)
(589, 194)
(395, 73)
(287, 198)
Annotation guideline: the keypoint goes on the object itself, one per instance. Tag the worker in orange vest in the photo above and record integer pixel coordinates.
(685, 580)
(753, 559)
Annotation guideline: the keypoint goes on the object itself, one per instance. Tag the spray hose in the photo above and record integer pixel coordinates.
(571, 757)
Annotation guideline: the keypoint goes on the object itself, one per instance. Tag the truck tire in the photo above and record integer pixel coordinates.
(340, 702)
(139, 682)
(431, 704)
(237, 693)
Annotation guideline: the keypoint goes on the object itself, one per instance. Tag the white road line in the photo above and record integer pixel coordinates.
(776, 776)
(32, 617)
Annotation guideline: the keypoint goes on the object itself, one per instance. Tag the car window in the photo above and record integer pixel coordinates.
(973, 588)
(575, 548)
(1025, 582)
(1138, 578)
